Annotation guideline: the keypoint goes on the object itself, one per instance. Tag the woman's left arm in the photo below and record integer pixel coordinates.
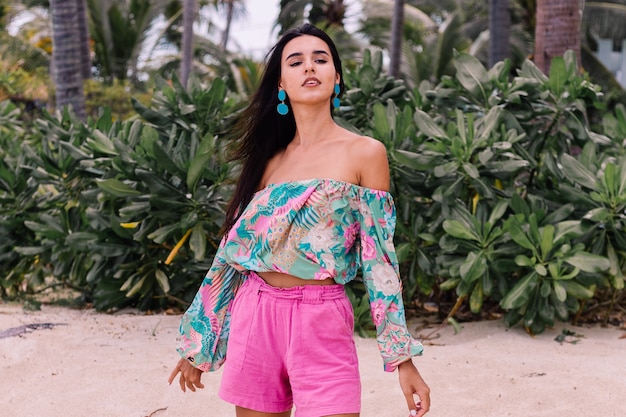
(374, 174)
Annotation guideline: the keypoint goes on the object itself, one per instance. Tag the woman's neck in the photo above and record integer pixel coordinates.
(313, 126)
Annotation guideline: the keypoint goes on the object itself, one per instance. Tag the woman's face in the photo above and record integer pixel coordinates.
(308, 74)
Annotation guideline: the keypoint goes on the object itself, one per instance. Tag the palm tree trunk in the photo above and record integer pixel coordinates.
(66, 56)
(189, 11)
(83, 27)
(229, 20)
(397, 23)
(557, 30)
(499, 31)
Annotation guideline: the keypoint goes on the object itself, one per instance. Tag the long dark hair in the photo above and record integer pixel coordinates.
(260, 131)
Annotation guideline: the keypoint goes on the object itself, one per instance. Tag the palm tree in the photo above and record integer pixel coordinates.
(189, 11)
(323, 13)
(205, 48)
(604, 22)
(328, 15)
(557, 30)
(475, 19)
(119, 29)
(499, 30)
(230, 11)
(67, 68)
(605, 19)
(397, 24)
(83, 30)
(428, 46)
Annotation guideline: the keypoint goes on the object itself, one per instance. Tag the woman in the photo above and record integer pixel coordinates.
(311, 206)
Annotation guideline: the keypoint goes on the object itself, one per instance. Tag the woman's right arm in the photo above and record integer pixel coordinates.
(204, 327)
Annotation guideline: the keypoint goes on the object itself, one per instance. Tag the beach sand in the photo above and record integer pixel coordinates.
(117, 365)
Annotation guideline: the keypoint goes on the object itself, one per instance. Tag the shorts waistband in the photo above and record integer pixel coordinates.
(310, 294)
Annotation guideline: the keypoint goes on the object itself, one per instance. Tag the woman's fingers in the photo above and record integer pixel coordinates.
(181, 382)
(190, 377)
(174, 373)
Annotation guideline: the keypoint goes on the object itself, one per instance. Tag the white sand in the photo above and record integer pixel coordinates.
(117, 365)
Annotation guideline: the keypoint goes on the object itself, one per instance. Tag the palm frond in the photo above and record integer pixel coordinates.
(606, 19)
(15, 50)
(376, 23)
(448, 40)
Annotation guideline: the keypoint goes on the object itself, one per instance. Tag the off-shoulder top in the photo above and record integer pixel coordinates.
(311, 229)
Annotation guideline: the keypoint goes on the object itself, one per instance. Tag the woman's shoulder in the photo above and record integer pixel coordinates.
(362, 146)
(368, 147)
(370, 157)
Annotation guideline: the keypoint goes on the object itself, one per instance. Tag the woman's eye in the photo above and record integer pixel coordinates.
(295, 63)
(321, 61)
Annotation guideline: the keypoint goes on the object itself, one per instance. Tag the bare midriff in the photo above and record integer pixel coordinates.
(280, 280)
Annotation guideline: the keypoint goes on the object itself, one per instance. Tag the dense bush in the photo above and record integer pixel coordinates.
(504, 192)
(111, 203)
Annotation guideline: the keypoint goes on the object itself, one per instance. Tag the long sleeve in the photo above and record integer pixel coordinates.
(381, 276)
(205, 326)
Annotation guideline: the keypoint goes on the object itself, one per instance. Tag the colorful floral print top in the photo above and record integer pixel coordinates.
(311, 229)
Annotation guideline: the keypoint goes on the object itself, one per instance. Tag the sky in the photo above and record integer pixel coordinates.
(253, 32)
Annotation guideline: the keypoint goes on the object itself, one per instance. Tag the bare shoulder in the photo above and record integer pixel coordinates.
(372, 166)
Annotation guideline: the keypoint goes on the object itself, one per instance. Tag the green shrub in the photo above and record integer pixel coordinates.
(504, 193)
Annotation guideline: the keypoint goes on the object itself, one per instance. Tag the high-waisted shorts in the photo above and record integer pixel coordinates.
(292, 346)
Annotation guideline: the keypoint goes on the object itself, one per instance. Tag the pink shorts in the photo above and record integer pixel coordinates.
(292, 346)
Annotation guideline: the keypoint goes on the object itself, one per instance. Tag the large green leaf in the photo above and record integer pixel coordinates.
(577, 290)
(547, 242)
(471, 74)
(471, 170)
(161, 278)
(198, 242)
(101, 143)
(427, 125)
(199, 162)
(443, 170)
(567, 230)
(381, 122)
(506, 166)
(416, 161)
(520, 293)
(457, 229)
(490, 123)
(576, 172)
(558, 75)
(403, 251)
(498, 211)
(473, 268)
(589, 262)
(165, 160)
(476, 299)
(117, 188)
(559, 291)
(519, 236)
(162, 233)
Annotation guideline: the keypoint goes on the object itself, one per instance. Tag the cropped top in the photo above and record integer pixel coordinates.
(311, 229)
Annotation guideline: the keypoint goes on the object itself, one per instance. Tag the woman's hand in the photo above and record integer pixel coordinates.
(189, 376)
(412, 383)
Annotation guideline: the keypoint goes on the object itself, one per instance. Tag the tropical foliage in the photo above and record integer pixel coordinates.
(488, 193)
(505, 194)
(510, 184)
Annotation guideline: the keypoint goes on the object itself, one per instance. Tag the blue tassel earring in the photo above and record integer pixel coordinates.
(282, 108)
(336, 102)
